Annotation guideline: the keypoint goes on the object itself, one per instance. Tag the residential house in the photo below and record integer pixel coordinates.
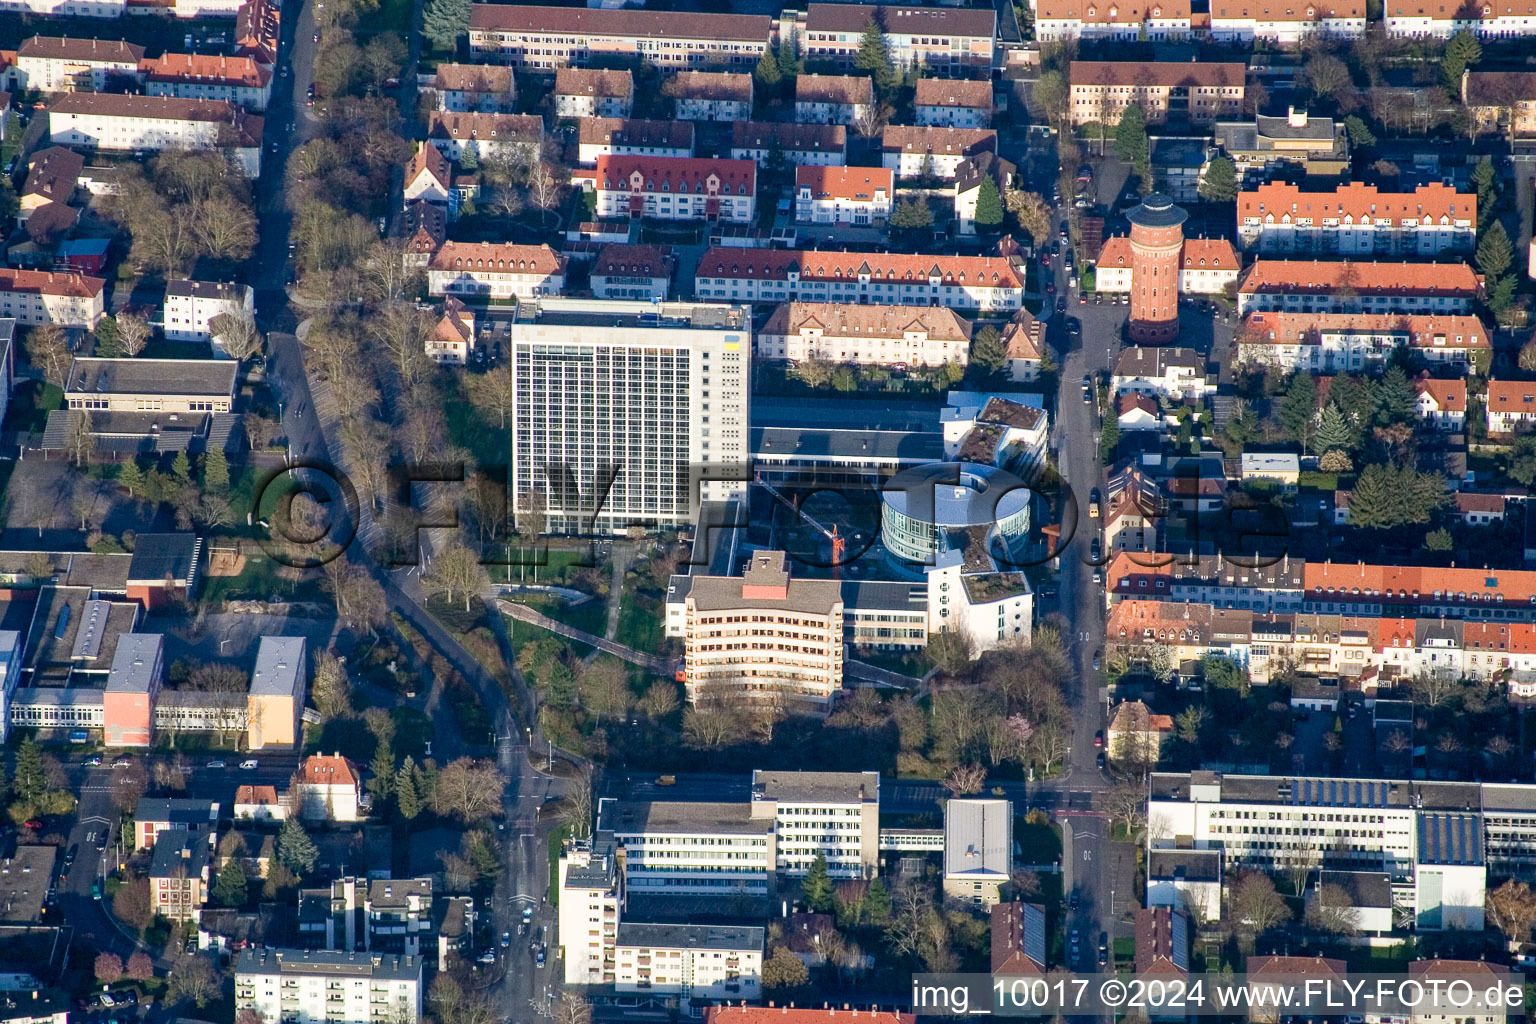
(833, 99)
(717, 962)
(611, 136)
(1442, 404)
(1312, 286)
(135, 124)
(452, 341)
(303, 985)
(889, 336)
(1357, 220)
(945, 41)
(1176, 374)
(1421, 20)
(978, 850)
(1063, 20)
(594, 92)
(710, 95)
(65, 64)
(487, 270)
(155, 815)
(673, 188)
(198, 76)
(424, 226)
(52, 174)
(970, 177)
(1248, 21)
(1019, 940)
(633, 272)
(429, 177)
(1329, 343)
(259, 803)
(860, 196)
(179, 875)
(275, 698)
(1192, 93)
(1135, 411)
(327, 787)
(1135, 734)
(191, 306)
(546, 38)
(1024, 341)
(915, 152)
(475, 88)
(1269, 145)
(990, 283)
(45, 297)
(1186, 880)
(1501, 98)
(1511, 407)
(515, 136)
(798, 145)
(953, 103)
(1280, 468)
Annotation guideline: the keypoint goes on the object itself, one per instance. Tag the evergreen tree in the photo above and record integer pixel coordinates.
(216, 471)
(560, 691)
(382, 784)
(1356, 400)
(1494, 253)
(817, 886)
(1503, 294)
(1220, 182)
(295, 849)
(469, 158)
(877, 902)
(9, 202)
(1298, 406)
(1360, 133)
(1397, 402)
(130, 477)
(989, 204)
(181, 468)
(31, 780)
(1109, 439)
(1487, 182)
(108, 345)
(789, 62)
(911, 214)
(1131, 143)
(1333, 432)
(231, 888)
(407, 798)
(1439, 540)
(443, 21)
(873, 56)
(1461, 51)
(1386, 497)
(768, 72)
(987, 351)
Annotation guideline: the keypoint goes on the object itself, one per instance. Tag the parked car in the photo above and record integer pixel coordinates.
(506, 939)
(94, 761)
(121, 762)
(1098, 738)
(35, 824)
(249, 766)
(538, 958)
(1100, 760)
(215, 764)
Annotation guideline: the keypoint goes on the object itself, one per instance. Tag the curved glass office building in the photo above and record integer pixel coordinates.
(919, 507)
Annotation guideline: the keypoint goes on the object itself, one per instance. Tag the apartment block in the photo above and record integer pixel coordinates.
(861, 196)
(477, 271)
(890, 336)
(191, 306)
(515, 136)
(1248, 21)
(1207, 266)
(1061, 20)
(325, 987)
(685, 847)
(953, 103)
(623, 271)
(612, 136)
(62, 64)
(988, 283)
(1310, 286)
(1498, 99)
(475, 88)
(593, 92)
(833, 99)
(592, 893)
(799, 145)
(1357, 220)
(1418, 19)
(47, 297)
(1511, 406)
(945, 41)
(179, 873)
(835, 815)
(196, 76)
(673, 188)
(546, 38)
(695, 961)
(275, 700)
(764, 638)
(669, 424)
(710, 95)
(915, 152)
(137, 124)
(1164, 90)
(1351, 342)
(1176, 374)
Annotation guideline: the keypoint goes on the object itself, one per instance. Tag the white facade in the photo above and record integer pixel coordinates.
(832, 814)
(989, 284)
(843, 195)
(155, 123)
(43, 297)
(674, 189)
(692, 960)
(324, 987)
(1245, 28)
(485, 270)
(191, 305)
(50, 64)
(237, 80)
(871, 335)
(591, 894)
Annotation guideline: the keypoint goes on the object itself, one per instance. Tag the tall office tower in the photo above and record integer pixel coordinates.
(628, 413)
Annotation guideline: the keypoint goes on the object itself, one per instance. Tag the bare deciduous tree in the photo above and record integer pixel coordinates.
(468, 789)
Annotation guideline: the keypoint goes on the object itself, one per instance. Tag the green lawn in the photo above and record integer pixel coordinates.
(641, 620)
(470, 427)
(258, 582)
(910, 663)
(1038, 844)
(556, 841)
(589, 616)
(31, 403)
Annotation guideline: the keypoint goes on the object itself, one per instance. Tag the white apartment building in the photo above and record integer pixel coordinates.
(692, 847)
(987, 283)
(1247, 21)
(628, 413)
(198, 76)
(516, 136)
(190, 306)
(832, 814)
(592, 894)
(833, 99)
(860, 196)
(471, 88)
(58, 64)
(1312, 286)
(1357, 220)
(1061, 20)
(1511, 406)
(593, 92)
(1350, 342)
(916, 152)
(45, 297)
(673, 188)
(953, 103)
(476, 271)
(613, 136)
(877, 335)
(122, 123)
(67, 8)
(800, 145)
(623, 271)
(1172, 373)
(1197, 93)
(695, 961)
(306, 986)
(710, 95)
(764, 638)
(546, 38)
(1207, 266)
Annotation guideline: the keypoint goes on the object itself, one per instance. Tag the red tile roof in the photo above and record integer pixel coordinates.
(628, 23)
(327, 770)
(818, 265)
(852, 320)
(489, 78)
(593, 82)
(1428, 204)
(854, 184)
(498, 256)
(647, 260)
(1439, 10)
(1163, 74)
(1449, 332)
(203, 67)
(429, 159)
(676, 173)
(256, 795)
(789, 136)
(166, 108)
(1449, 395)
(1112, 12)
(1498, 88)
(1291, 11)
(447, 124)
(1405, 581)
(53, 173)
(953, 92)
(43, 282)
(1303, 276)
(1511, 396)
(840, 89)
(1209, 254)
(710, 85)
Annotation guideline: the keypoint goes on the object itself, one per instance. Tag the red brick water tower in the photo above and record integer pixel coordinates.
(1157, 240)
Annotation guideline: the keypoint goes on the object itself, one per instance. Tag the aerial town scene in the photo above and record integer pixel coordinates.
(723, 511)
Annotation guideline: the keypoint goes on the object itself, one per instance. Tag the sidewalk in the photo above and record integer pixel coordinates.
(525, 614)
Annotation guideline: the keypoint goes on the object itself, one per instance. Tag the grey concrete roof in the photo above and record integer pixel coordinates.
(816, 787)
(210, 377)
(656, 817)
(384, 966)
(690, 936)
(978, 838)
(279, 666)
